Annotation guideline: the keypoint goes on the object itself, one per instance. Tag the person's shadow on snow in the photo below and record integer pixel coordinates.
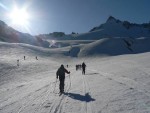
(91, 73)
(86, 97)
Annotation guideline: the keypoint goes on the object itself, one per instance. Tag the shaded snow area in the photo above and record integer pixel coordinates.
(115, 84)
(103, 47)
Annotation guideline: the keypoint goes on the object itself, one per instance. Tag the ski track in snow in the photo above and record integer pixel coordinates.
(86, 89)
(37, 94)
(132, 84)
(57, 103)
(47, 91)
(127, 81)
(30, 97)
(45, 99)
(31, 102)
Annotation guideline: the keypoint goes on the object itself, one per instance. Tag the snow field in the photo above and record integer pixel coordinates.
(115, 84)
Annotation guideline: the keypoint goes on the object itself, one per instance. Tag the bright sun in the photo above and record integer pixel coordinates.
(19, 17)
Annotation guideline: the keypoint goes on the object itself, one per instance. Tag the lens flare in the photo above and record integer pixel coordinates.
(19, 16)
(3, 6)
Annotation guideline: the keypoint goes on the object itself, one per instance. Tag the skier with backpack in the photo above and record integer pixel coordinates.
(61, 73)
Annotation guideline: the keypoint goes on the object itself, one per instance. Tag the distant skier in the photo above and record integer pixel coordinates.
(24, 57)
(76, 67)
(18, 62)
(36, 58)
(61, 73)
(83, 68)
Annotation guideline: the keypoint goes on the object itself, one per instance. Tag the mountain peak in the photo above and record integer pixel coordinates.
(111, 18)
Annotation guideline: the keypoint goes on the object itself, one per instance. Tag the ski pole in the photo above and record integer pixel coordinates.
(70, 82)
(55, 85)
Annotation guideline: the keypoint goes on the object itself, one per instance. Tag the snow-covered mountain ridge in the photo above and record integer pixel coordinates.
(111, 28)
(116, 28)
(8, 34)
(125, 24)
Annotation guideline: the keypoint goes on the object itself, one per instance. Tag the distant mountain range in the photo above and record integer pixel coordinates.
(111, 28)
(116, 28)
(111, 20)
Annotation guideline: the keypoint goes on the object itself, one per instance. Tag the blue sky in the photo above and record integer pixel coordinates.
(74, 15)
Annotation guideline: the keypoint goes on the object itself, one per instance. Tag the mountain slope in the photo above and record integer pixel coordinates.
(112, 47)
(117, 28)
(8, 34)
(111, 28)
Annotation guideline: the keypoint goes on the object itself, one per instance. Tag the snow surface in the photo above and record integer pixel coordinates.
(115, 46)
(112, 84)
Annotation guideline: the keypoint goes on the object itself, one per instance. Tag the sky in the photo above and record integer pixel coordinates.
(80, 16)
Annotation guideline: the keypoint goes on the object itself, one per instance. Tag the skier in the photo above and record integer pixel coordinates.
(18, 62)
(76, 67)
(36, 58)
(61, 73)
(83, 68)
(24, 57)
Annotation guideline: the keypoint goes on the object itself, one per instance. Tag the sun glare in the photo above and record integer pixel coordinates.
(19, 17)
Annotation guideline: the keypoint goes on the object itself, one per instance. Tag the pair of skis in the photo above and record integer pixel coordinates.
(61, 93)
(55, 88)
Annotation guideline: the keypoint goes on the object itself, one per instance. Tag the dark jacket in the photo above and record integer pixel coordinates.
(83, 65)
(61, 72)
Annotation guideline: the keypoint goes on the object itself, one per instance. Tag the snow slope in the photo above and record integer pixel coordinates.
(115, 46)
(110, 47)
(118, 84)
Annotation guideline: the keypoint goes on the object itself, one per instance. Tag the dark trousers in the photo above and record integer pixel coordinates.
(61, 85)
(83, 71)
